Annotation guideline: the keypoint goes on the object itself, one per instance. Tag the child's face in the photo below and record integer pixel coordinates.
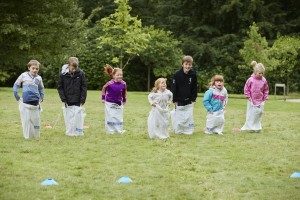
(72, 68)
(34, 69)
(259, 74)
(118, 77)
(219, 84)
(162, 86)
(187, 66)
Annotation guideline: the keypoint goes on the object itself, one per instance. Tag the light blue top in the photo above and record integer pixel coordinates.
(32, 87)
(215, 99)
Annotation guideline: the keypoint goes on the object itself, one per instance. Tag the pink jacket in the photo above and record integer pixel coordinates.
(257, 89)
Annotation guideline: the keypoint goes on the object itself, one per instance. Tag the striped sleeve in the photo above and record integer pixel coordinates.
(104, 89)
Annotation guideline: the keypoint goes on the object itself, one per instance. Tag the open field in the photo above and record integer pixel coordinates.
(236, 165)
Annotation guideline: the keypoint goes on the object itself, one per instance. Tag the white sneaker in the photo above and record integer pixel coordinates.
(208, 133)
(220, 133)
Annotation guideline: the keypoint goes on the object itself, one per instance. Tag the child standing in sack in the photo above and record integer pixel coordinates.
(32, 95)
(256, 90)
(215, 100)
(114, 97)
(184, 89)
(160, 99)
(72, 91)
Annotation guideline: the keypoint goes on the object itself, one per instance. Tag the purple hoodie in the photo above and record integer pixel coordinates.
(114, 92)
(257, 89)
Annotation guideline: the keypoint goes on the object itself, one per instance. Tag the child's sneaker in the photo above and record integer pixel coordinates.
(220, 133)
(207, 131)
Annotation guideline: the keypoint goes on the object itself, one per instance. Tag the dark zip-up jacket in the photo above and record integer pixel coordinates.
(72, 87)
(184, 87)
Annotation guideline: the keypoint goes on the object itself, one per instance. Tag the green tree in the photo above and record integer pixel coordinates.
(255, 47)
(123, 34)
(162, 54)
(92, 60)
(213, 31)
(38, 29)
(284, 55)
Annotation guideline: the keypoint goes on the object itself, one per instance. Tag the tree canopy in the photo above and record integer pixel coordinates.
(123, 34)
(48, 31)
(214, 33)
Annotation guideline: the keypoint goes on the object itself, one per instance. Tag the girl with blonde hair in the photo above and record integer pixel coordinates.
(114, 97)
(160, 99)
(256, 90)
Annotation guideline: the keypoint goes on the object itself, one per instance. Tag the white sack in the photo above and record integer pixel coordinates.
(182, 119)
(158, 122)
(215, 122)
(30, 118)
(74, 120)
(113, 118)
(253, 117)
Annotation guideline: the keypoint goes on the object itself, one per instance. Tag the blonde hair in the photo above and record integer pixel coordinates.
(110, 71)
(253, 63)
(156, 84)
(216, 78)
(187, 59)
(258, 67)
(33, 62)
(73, 61)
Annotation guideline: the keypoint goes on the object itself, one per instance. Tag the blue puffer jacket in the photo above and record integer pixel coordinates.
(215, 99)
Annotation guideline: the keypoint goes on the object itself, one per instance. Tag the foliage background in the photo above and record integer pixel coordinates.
(213, 32)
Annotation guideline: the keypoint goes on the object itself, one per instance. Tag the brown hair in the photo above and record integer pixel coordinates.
(110, 71)
(33, 62)
(156, 84)
(187, 59)
(216, 78)
(73, 61)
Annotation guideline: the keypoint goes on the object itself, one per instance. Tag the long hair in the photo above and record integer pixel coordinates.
(156, 84)
(110, 71)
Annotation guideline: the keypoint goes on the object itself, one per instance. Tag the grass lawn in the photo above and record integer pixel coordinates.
(236, 165)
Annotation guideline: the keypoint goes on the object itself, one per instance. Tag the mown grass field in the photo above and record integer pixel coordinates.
(236, 165)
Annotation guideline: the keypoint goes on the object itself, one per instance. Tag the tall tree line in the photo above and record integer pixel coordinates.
(48, 31)
(213, 32)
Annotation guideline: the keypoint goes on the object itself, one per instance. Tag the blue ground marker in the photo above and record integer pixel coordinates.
(49, 181)
(295, 175)
(124, 179)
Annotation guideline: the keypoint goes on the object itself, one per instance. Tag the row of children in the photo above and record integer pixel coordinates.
(73, 92)
(183, 94)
